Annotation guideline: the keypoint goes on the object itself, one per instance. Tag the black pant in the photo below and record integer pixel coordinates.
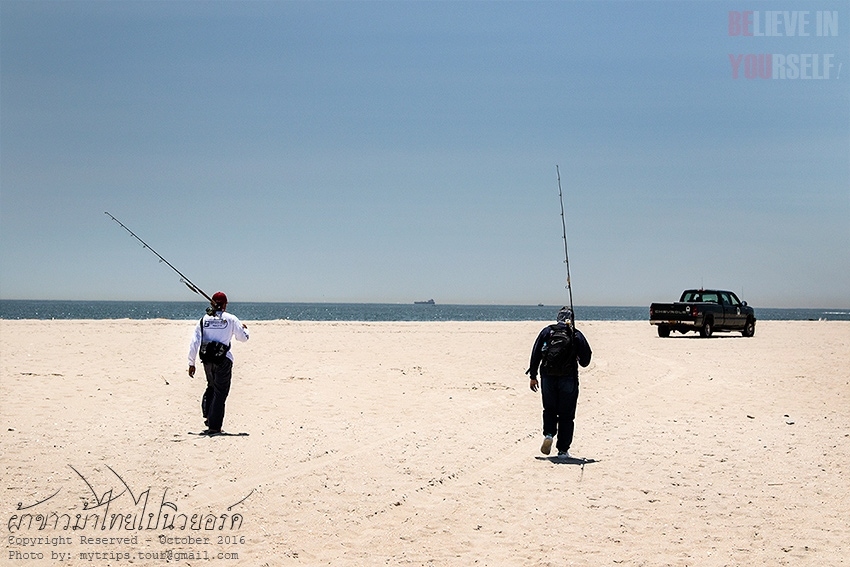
(218, 386)
(560, 397)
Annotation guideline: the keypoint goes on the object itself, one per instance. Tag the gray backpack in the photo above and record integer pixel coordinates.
(559, 352)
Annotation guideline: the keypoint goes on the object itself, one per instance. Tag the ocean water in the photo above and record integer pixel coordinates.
(182, 310)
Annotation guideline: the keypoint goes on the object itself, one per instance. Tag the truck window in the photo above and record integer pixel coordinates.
(710, 297)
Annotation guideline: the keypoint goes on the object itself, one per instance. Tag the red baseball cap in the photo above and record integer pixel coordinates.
(219, 297)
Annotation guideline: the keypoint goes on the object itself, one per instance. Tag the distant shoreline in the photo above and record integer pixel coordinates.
(12, 309)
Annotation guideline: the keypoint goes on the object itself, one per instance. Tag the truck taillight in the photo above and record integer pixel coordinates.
(694, 311)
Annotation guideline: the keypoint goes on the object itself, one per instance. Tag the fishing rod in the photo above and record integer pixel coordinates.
(183, 279)
(566, 250)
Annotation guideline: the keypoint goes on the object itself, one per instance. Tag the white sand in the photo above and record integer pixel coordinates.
(418, 444)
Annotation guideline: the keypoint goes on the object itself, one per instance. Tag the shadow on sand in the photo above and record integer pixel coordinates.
(569, 461)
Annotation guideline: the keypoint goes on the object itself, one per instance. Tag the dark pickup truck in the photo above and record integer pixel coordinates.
(706, 311)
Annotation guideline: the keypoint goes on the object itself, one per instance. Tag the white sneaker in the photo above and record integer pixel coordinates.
(564, 455)
(546, 447)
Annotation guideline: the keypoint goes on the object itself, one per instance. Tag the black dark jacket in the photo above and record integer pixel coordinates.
(583, 352)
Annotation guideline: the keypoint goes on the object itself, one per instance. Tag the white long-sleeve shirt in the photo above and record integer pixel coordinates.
(221, 327)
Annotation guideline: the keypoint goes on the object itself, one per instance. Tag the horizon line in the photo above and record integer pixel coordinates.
(305, 302)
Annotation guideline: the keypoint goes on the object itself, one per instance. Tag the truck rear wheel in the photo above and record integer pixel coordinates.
(706, 329)
(663, 331)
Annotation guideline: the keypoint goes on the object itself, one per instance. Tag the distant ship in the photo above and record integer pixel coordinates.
(429, 302)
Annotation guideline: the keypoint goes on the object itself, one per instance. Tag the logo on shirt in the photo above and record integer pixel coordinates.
(215, 323)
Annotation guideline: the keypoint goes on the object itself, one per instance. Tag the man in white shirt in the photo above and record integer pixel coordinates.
(211, 339)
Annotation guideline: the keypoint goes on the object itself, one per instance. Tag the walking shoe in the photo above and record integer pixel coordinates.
(564, 455)
(546, 447)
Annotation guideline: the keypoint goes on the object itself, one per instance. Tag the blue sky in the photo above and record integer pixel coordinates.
(397, 151)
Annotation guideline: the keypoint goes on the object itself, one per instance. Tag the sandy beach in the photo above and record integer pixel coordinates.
(418, 444)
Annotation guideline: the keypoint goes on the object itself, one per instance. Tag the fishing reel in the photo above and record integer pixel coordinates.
(212, 309)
